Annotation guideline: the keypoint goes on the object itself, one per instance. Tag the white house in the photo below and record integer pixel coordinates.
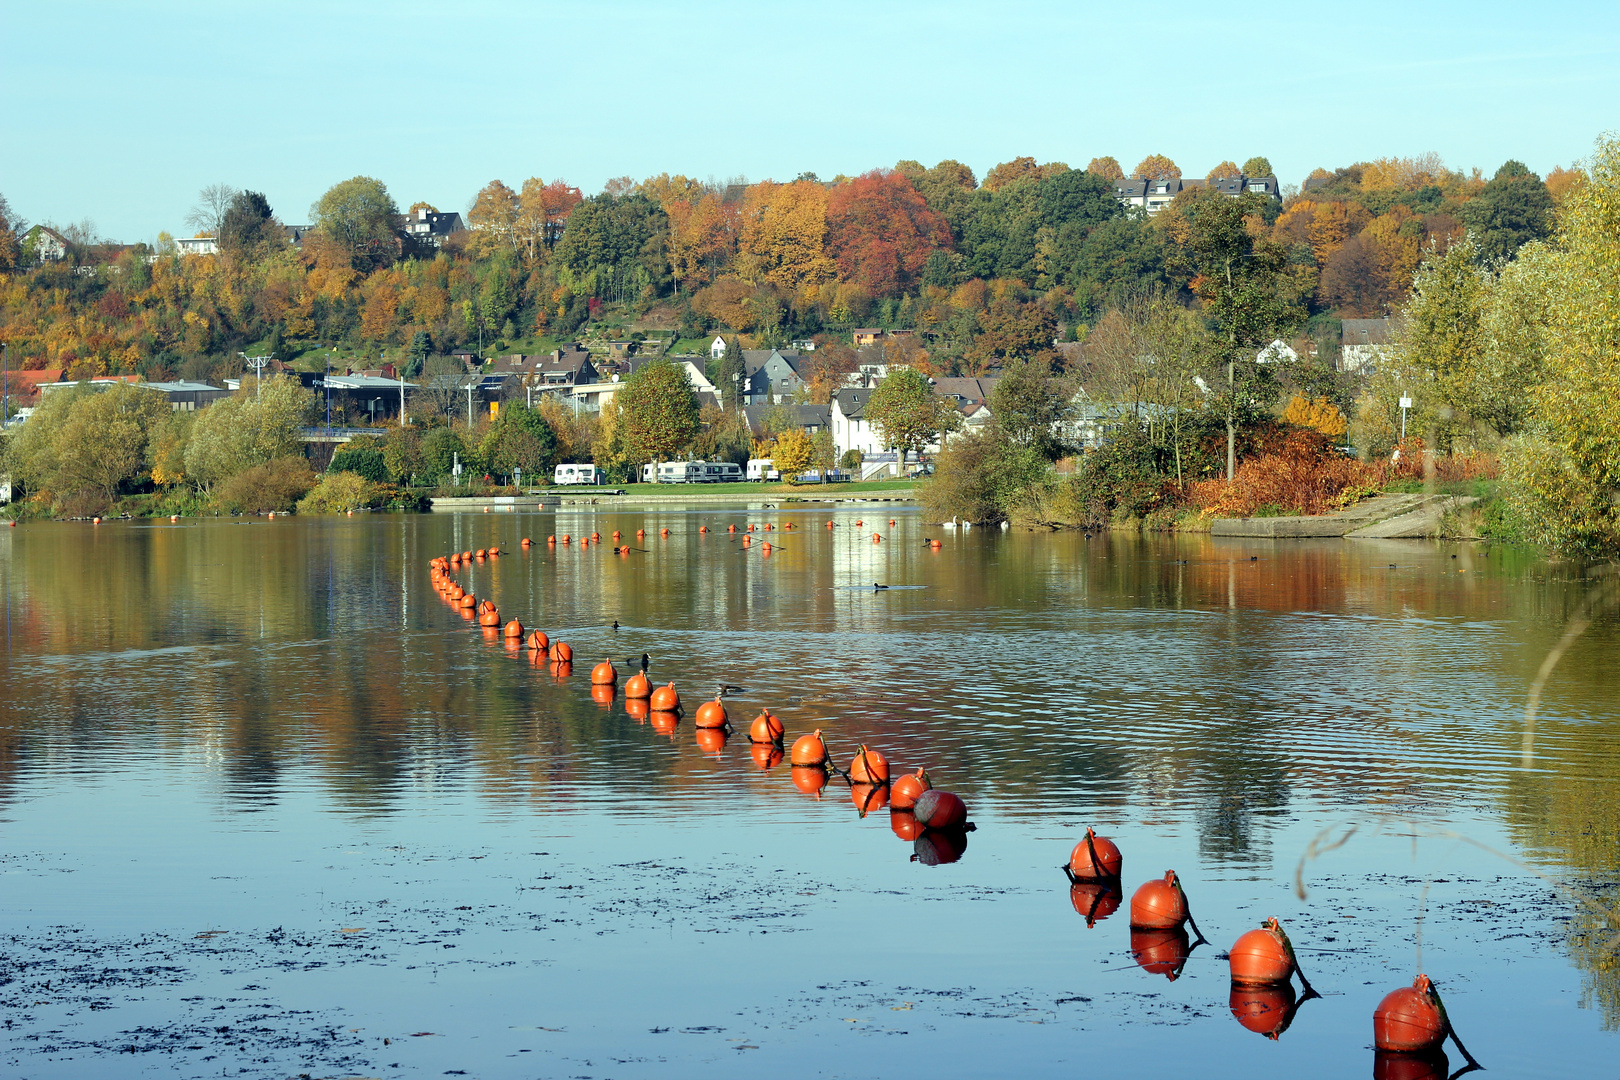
(196, 245)
(850, 428)
(1362, 343)
(717, 348)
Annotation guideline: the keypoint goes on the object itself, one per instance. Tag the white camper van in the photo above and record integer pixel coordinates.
(763, 470)
(692, 472)
(577, 474)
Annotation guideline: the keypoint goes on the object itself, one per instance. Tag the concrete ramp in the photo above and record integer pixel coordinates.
(1384, 517)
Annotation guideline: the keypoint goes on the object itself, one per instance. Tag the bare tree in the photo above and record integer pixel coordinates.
(208, 215)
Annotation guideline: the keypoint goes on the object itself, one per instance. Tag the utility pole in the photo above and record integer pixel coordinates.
(5, 383)
(404, 421)
(258, 363)
(469, 402)
(327, 384)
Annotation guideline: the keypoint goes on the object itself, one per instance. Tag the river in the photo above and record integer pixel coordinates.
(271, 807)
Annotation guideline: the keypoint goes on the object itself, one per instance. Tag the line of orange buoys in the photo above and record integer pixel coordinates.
(935, 822)
(1410, 1024)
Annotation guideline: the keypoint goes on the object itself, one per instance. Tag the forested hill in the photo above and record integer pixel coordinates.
(991, 269)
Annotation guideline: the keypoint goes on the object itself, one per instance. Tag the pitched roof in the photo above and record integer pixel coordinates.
(852, 403)
(1364, 332)
(802, 415)
(966, 389)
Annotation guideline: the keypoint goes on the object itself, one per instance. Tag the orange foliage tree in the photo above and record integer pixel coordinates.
(881, 232)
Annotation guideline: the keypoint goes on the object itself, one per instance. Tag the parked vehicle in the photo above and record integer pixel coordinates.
(567, 475)
(763, 470)
(693, 472)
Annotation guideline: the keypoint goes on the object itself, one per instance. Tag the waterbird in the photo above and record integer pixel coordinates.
(645, 659)
(725, 689)
(615, 624)
(876, 586)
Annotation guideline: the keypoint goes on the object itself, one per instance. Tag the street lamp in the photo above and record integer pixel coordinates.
(258, 363)
(1406, 403)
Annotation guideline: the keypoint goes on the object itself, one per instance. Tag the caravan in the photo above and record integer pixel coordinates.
(763, 470)
(576, 474)
(692, 472)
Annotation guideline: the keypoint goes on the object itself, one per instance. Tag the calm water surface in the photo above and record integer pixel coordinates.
(270, 807)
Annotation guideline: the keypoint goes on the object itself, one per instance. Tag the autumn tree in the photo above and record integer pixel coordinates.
(1248, 289)
(11, 229)
(359, 219)
(1008, 171)
(1156, 167)
(542, 209)
(86, 441)
(494, 216)
(881, 232)
(657, 413)
(248, 227)
(784, 235)
(1029, 403)
(519, 438)
(1226, 170)
(793, 453)
(700, 240)
(1107, 168)
(1258, 166)
(907, 413)
(247, 429)
(1318, 413)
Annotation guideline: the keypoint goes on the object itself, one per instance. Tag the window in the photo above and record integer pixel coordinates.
(1257, 187)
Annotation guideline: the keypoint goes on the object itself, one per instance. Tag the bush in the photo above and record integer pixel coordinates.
(275, 485)
(339, 492)
(979, 478)
(851, 461)
(1122, 479)
(363, 461)
(1299, 474)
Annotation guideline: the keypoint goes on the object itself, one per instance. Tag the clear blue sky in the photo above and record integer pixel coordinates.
(120, 112)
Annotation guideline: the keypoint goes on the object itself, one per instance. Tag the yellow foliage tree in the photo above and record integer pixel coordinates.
(784, 235)
(793, 453)
(1318, 413)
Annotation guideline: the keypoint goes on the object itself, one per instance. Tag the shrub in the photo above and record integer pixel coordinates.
(851, 461)
(1299, 474)
(338, 492)
(979, 477)
(363, 461)
(275, 485)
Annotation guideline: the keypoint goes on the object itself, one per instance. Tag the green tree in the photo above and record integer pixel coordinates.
(1563, 474)
(657, 412)
(906, 411)
(248, 429)
(731, 364)
(1250, 292)
(248, 229)
(441, 446)
(359, 218)
(86, 441)
(1513, 209)
(1029, 404)
(420, 348)
(1258, 166)
(366, 461)
(520, 438)
(1441, 342)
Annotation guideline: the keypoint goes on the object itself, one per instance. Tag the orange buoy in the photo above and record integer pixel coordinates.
(935, 544)
(1411, 1019)
(640, 533)
(1094, 901)
(616, 534)
(603, 693)
(514, 630)
(1095, 858)
(703, 528)
(525, 542)
(809, 779)
(665, 699)
(869, 767)
(907, 789)
(876, 539)
(494, 551)
(766, 755)
(552, 540)
(604, 673)
(485, 605)
(712, 740)
(172, 517)
(663, 532)
(937, 809)
(1266, 1010)
(766, 547)
(731, 528)
(903, 822)
(566, 538)
(1161, 952)
(789, 525)
(810, 750)
(891, 523)
(272, 515)
(596, 537)
(750, 528)
(663, 721)
(859, 523)
(561, 652)
(637, 686)
(1159, 904)
(468, 601)
(1262, 957)
(869, 797)
(829, 524)
(465, 556)
(766, 728)
(538, 640)
(767, 526)
(747, 540)
(95, 521)
(479, 554)
(711, 714)
(490, 618)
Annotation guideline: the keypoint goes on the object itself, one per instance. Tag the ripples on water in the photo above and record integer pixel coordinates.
(262, 725)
